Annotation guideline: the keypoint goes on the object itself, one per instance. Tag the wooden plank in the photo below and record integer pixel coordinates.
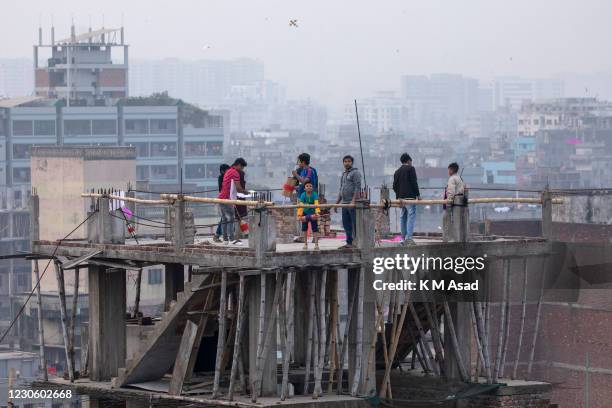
(181, 364)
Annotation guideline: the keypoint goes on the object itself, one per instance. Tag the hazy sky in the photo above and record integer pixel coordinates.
(342, 49)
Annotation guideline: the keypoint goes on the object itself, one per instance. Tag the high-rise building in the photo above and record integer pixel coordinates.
(513, 91)
(16, 77)
(81, 69)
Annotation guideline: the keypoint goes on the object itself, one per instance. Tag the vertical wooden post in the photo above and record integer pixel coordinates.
(75, 305)
(237, 340)
(41, 329)
(523, 314)
(59, 272)
(221, 335)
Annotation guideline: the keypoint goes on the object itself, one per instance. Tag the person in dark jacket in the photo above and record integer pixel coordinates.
(406, 187)
(222, 169)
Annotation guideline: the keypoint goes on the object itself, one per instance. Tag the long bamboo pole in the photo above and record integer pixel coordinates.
(502, 323)
(62, 297)
(310, 332)
(73, 317)
(221, 336)
(523, 314)
(289, 334)
(419, 326)
(349, 321)
(359, 345)
(537, 319)
(437, 339)
(387, 376)
(237, 339)
(477, 308)
(41, 329)
(448, 321)
(318, 391)
(334, 330)
(507, 325)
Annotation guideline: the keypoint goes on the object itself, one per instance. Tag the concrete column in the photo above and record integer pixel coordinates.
(456, 220)
(547, 213)
(104, 221)
(34, 217)
(365, 243)
(174, 282)
(262, 232)
(107, 331)
(254, 305)
(178, 226)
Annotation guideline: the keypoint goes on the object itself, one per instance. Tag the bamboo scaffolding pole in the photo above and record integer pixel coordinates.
(349, 321)
(502, 323)
(73, 317)
(282, 327)
(309, 332)
(451, 328)
(384, 346)
(507, 325)
(210, 200)
(288, 333)
(221, 335)
(334, 330)
(419, 326)
(237, 343)
(537, 319)
(59, 272)
(126, 199)
(479, 350)
(268, 340)
(374, 336)
(417, 343)
(41, 329)
(477, 309)
(261, 328)
(229, 340)
(387, 376)
(437, 339)
(318, 389)
(359, 346)
(523, 314)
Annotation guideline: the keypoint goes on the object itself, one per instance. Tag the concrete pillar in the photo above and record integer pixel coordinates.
(107, 331)
(547, 213)
(262, 232)
(456, 220)
(34, 217)
(103, 217)
(174, 282)
(365, 239)
(178, 226)
(254, 305)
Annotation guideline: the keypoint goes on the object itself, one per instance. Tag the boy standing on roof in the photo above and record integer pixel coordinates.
(305, 173)
(309, 215)
(222, 169)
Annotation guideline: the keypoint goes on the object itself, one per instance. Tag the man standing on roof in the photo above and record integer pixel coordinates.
(222, 169)
(406, 187)
(350, 185)
(231, 181)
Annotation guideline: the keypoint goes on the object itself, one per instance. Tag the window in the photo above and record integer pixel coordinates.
(163, 172)
(22, 128)
(142, 173)
(77, 127)
(195, 149)
(155, 276)
(21, 174)
(212, 170)
(163, 126)
(214, 148)
(104, 127)
(165, 149)
(22, 280)
(21, 151)
(194, 171)
(142, 149)
(44, 128)
(137, 127)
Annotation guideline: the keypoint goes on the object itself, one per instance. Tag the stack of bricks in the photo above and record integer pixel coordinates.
(528, 395)
(286, 225)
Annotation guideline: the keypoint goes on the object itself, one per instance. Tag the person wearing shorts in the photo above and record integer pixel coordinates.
(309, 215)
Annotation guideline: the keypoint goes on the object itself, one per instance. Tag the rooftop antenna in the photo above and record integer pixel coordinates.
(52, 31)
(365, 182)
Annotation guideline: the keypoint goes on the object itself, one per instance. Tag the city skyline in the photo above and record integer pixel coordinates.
(341, 52)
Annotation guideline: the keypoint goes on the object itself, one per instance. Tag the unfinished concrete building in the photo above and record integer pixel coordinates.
(269, 323)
